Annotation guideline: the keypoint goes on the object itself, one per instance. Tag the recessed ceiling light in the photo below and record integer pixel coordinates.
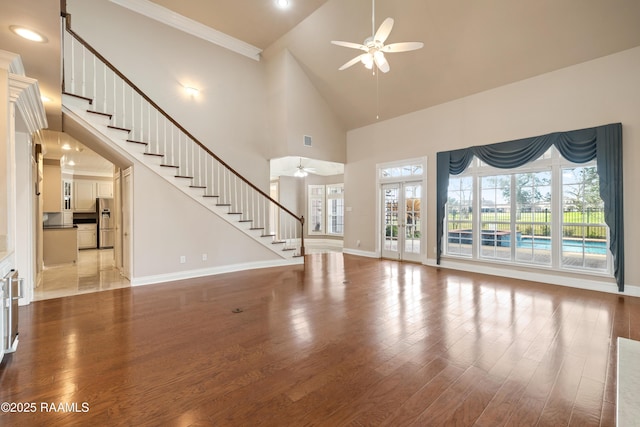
(28, 34)
(66, 147)
(282, 3)
(71, 163)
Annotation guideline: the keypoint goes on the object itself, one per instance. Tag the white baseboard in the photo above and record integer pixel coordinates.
(191, 274)
(367, 254)
(323, 243)
(588, 283)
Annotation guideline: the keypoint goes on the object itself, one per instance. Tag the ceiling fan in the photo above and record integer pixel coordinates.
(374, 46)
(301, 172)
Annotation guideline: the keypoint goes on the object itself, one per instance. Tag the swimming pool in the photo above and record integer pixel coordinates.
(568, 245)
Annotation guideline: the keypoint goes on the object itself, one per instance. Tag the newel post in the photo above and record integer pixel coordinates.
(302, 235)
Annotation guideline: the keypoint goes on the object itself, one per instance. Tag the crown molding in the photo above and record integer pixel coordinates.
(25, 93)
(12, 62)
(189, 26)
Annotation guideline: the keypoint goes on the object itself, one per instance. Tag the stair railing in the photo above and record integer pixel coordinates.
(87, 74)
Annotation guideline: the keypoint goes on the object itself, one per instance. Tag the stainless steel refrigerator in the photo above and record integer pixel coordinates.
(106, 223)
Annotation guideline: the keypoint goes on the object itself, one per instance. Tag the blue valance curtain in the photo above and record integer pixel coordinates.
(603, 143)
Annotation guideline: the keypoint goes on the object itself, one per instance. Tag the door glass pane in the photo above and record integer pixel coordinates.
(413, 228)
(391, 219)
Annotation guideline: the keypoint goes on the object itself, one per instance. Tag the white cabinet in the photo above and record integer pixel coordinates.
(87, 236)
(67, 186)
(84, 195)
(67, 218)
(104, 189)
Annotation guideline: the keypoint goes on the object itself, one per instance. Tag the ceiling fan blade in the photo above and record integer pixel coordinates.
(352, 62)
(384, 30)
(381, 62)
(402, 47)
(350, 45)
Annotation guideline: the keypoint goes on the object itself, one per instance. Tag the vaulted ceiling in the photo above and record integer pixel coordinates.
(470, 45)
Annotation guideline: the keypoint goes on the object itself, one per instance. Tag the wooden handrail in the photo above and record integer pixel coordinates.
(67, 18)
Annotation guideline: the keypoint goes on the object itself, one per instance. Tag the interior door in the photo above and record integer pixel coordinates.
(401, 221)
(126, 223)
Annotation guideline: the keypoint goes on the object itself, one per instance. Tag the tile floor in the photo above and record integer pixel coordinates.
(95, 271)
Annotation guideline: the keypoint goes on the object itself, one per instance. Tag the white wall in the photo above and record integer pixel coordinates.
(168, 224)
(298, 109)
(230, 114)
(605, 90)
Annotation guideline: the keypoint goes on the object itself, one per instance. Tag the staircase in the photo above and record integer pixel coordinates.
(100, 97)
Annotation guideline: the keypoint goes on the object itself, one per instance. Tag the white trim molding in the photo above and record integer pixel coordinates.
(191, 274)
(588, 283)
(189, 26)
(358, 252)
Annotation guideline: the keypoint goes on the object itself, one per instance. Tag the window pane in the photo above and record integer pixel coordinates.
(584, 233)
(335, 212)
(495, 207)
(459, 216)
(533, 218)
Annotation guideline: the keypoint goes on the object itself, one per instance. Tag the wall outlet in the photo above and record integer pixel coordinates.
(357, 243)
(204, 257)
(183, 259)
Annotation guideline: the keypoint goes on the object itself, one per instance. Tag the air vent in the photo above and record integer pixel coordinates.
(306, 140)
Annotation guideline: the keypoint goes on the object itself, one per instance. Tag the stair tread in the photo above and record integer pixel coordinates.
(210, 195)
(197, 186)
(119, 128)
(256, 228)
(184, 176)
(100, 113)
(234, 213)
(246, 220)
(137, 142)
(169, 166)
(223, 204)
(90, 100)
(153, 154)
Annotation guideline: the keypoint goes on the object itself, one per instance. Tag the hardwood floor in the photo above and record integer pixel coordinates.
(343, 340)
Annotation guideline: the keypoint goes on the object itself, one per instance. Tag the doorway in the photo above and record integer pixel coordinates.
(401, 221)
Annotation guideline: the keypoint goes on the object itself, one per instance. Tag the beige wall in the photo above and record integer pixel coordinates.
(168, 224)
(598, 92)
(230, 114)
(298, 109)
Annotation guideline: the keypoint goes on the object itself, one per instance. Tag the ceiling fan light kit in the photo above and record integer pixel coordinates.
(374, 46)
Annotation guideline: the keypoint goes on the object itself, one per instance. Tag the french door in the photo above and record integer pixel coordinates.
(401, 221)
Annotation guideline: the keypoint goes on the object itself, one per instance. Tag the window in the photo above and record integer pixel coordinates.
(459, 209)
(316, 209)
(326, 209)
(584, 233)
(335, 209)
(405, 171)
(547, 213)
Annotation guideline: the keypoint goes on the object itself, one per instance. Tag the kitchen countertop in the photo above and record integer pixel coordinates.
(58, 227)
